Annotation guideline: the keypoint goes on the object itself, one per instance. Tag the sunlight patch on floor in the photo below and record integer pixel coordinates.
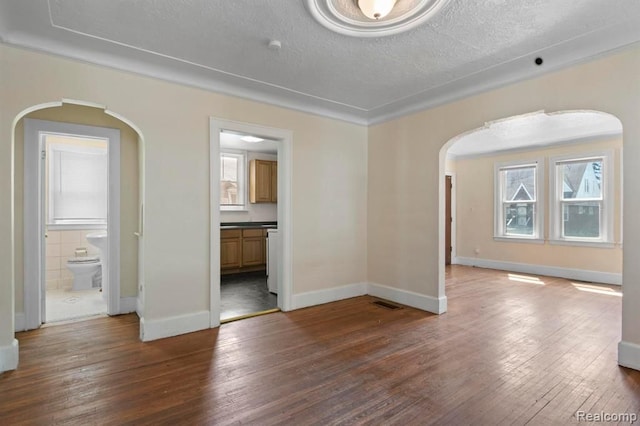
(597, 289)
(525, 279)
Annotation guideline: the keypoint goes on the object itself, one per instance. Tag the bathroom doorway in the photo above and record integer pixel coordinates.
(71, 221)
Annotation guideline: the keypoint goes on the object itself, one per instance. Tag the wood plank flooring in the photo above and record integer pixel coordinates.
(509, 351)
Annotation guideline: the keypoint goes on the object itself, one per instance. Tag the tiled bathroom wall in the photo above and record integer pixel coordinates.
(61, 245)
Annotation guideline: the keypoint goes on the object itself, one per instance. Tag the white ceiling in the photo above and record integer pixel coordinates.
(535, 130)
(221, 45)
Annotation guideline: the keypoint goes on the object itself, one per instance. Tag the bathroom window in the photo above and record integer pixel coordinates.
(77, 183)
(232, 181)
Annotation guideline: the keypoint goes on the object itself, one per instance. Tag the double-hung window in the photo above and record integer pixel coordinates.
(232, 181)
(581, 192)
(518, 200)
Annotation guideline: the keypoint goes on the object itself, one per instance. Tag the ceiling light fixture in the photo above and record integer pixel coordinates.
(376, 9)
(251, 139)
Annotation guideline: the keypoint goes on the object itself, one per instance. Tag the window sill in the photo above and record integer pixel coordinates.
(233, 209)
(75, 226)
(519, 240)
(579, 243)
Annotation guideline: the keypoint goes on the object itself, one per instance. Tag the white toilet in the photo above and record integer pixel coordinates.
(83, 269)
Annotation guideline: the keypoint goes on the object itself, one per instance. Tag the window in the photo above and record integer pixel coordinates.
(518, 207)
(78, 176)
(232, 181)
(581, 208)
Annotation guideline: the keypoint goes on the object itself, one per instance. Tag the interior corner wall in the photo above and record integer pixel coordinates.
(405, 166)
(328, 178)
(475, 214)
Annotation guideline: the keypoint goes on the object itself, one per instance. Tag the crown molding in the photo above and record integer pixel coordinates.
(571, 52)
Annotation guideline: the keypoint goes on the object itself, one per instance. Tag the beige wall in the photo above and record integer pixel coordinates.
(475, 214)
(128, 191)
(328, 178)
(406, 161)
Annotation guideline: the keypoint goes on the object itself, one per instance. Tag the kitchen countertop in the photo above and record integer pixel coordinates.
(248, 225)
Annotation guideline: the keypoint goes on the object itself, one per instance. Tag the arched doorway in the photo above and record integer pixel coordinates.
(29, 287)
(565, 216)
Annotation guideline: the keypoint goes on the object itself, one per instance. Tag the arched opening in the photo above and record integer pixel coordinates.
(540, 194)
(126, 247)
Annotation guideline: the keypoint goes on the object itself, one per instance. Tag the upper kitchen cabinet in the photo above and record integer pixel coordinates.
(263, 181)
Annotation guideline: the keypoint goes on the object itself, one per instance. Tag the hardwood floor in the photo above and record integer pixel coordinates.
(509, 351)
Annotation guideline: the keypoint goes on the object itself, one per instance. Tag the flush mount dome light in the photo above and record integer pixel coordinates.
(372, 18)
(251, 139)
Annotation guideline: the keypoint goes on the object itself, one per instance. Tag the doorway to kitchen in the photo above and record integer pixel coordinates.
(250, 210)
(249, 224)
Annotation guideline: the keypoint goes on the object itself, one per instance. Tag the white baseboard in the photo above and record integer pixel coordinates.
(20, 323)
(409, 298)
(9, 356)
(128, 305)
(318, 297)
(629, 355)
(172, 326)
(550, 271)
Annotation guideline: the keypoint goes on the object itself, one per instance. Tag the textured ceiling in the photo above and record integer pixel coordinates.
(536, 130)
(221, 45)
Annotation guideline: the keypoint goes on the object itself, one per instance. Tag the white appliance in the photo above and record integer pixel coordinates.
(272, 260)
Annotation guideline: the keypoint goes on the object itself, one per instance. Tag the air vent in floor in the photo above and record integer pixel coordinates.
(386, 305)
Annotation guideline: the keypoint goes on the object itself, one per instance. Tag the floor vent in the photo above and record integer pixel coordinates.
(386, 305)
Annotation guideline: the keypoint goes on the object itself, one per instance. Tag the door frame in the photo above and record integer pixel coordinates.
(34, 214)
(285, 265)
(453, 215)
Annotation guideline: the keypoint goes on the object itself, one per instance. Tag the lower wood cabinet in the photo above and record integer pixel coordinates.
(231, 248)
(242, 249)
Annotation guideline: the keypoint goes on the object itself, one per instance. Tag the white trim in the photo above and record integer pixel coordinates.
(20, 322)
(629, 355)
(128, 305)
(550, 271)
(519, 240)
(173, 326)
(327, 295)
(285, 228)
(583, 243)
(409, 298)
(34, 289)
(9, 356)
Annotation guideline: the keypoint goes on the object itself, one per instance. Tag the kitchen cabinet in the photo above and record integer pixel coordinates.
(253, 243)
(242, 250)
(263, 181)
(230, 248)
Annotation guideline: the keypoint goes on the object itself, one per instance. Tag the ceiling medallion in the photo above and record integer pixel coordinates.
(346, 17)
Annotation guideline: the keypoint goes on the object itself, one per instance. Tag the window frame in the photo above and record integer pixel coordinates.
(607, 202)
(499, 232)
(242, 180)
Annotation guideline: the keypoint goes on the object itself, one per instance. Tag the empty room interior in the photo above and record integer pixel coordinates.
(319, 212)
